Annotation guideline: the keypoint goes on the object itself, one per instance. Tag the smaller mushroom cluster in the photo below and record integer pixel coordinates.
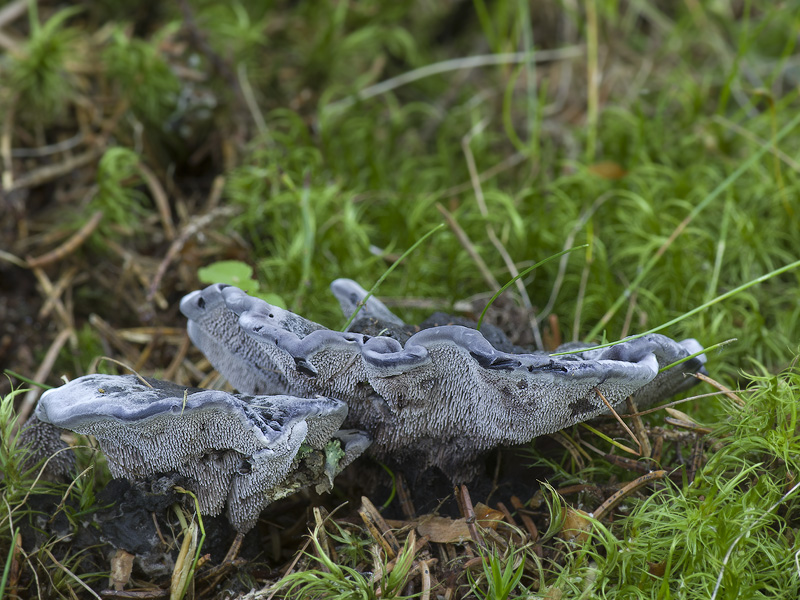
(235, 452)
(435, 395)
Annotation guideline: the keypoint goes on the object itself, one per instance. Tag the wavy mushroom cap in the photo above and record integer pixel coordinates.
(232, 449)
(238, 302)
(351, 295)
(447, 394)
(213, 328)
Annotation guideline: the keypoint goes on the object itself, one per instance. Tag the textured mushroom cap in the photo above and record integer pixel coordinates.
(313, 360)
(447, 394)
(213, 328)
(670, 382)
(350, 295)
(448, 383)
(238, 301)
(223, 444)
(459, 367)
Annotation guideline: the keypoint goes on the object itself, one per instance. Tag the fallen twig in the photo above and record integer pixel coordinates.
(42, 373)
(619, 420)
(160, 199)
(463, 238)
(70, 245)
(191, 229)
(725, 390)
(50, 172)
(378, 528)
(625, 491)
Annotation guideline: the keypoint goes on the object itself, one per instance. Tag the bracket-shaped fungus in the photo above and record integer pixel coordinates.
(351, 295)
(236, 451)
(445, 394)
(213, 327)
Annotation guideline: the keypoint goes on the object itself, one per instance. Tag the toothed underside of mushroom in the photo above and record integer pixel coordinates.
(443, 395)
(44, 445)
(233, 450)
(213, 327)
(312, 467)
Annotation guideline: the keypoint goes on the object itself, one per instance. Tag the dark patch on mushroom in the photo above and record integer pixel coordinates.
(45, 446)
(304, 367)
(497, 363)
(581, 406)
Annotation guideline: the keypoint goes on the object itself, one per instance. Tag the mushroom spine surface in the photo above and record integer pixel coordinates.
(235, 451)
(437, 396)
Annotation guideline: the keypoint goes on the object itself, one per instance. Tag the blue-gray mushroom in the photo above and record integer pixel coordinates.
(235, 452)
(351, 297)
(443, 395)
(214, 327)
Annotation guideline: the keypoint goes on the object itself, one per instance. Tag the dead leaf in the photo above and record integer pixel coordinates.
(608, 169)
(121, 567)
(576, 526)
(443, 530)
(487, 516)
(553, 593)
(680, 415)
(657, 569)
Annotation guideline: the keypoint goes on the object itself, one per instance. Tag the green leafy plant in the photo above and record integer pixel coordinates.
(239, 274)
(118, 196)
(501, 575)
(146, 80)
(343, 582)
(37, 74)
(728, 532)
(21, 479)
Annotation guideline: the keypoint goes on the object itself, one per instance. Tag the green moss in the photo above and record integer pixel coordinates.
(734, 524)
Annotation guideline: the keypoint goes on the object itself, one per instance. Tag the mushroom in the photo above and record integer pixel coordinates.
(351, 295)
(310, 358)
(444, 395)
(44, 446)
(213, 327)
(232, 450)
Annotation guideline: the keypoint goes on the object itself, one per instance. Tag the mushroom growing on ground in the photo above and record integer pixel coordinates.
(439, 396)
(236, 452)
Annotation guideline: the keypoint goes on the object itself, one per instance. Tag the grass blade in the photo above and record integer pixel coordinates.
(694, 212)
(387, 272)
(696, 310)
(522, 274)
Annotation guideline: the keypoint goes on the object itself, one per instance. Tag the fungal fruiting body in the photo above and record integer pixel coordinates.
(439, 396)
(236, 452)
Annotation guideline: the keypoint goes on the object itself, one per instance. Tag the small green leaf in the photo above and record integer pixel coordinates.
(239, 274)
(231, 272)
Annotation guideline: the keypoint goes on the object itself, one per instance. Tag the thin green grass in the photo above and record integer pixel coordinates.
(521, 274)
(502, 574)
(728, 533)
(38, 79)
(387, 273)
(680, 162)
(183, 576)
(326, 578)
(21, 481)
